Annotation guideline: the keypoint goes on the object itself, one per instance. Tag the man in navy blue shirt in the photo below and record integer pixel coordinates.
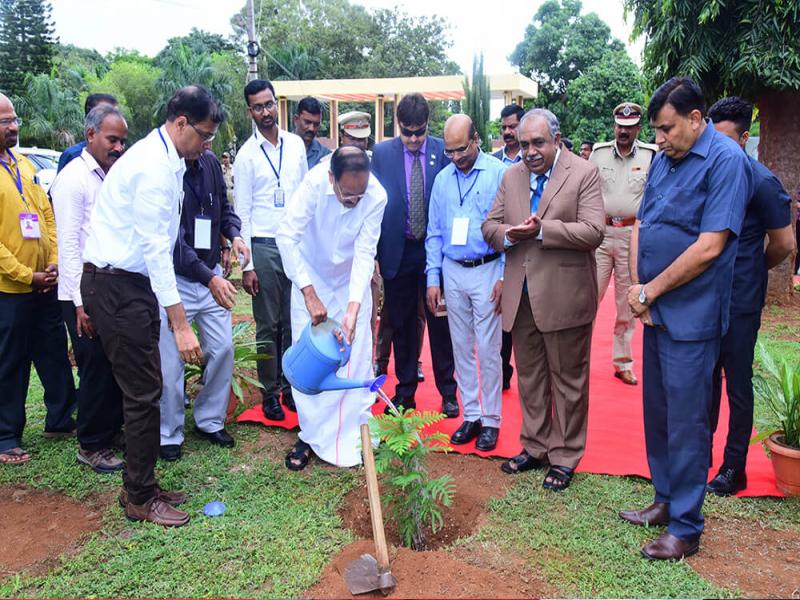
(74, 151)
(683, 249)
(769, 213)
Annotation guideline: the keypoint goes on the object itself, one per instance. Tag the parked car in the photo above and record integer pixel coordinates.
(46, 163)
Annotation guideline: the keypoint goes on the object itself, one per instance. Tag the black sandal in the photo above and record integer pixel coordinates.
(300, 452)
(522, 462)
(560, 478)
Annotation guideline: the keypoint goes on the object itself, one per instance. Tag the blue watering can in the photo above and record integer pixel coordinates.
(311, 363)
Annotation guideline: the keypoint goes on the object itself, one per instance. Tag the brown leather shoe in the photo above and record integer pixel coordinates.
(669, 547)
(172, 498)
(655, 514)
(157, 511)
(627, 377)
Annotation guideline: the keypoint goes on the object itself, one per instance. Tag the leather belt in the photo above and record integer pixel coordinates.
(479, 261)
(90, 268)
(262, 240)
(620, 221)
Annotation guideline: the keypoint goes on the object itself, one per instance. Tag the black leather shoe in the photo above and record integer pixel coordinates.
(170, 452)
(288, 401)
(727, 482)
(380, 369)
(220, 438)
(468, 431)
(487, 440)
(655, 514)
(450, 407)
(420, 374)
(400, 401)
(506, 384)
(272, 409)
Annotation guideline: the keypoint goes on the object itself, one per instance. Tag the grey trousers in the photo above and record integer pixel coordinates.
(476, 333)
(271, 312)
(211, 404)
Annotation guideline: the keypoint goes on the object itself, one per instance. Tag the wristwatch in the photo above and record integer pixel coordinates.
(643, 297)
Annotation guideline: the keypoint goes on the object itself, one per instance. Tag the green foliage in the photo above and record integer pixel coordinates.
(559, 45)
(741, 47)
(593, 95)
(779, 388)
(51, 114)
(477, 98)
(198, 42)
(244, 360)
(27, 42)
(413, 498)
(582, 72)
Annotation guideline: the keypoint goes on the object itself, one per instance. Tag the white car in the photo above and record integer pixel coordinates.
(46, 163)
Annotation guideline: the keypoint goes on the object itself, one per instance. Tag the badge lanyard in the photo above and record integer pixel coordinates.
(17, 179)
(163, 141)
(474, 181)
(280, 162)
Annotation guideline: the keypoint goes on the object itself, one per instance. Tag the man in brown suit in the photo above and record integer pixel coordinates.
(549, 217)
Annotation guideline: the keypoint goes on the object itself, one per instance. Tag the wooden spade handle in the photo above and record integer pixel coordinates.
(374, 495)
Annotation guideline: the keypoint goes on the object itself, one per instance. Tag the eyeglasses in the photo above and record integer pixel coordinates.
(413, 132)
(260, 108)
(348, 199)
(205, 135)
(459, 151)
(6, 122)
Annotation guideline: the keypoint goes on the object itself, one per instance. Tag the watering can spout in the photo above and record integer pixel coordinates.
(332, 382)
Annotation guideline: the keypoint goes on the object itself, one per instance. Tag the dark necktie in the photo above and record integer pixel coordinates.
(536, 193)
(416, 202)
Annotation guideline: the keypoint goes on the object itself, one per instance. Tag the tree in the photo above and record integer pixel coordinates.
(27, 42)
(477, 97)
(748, 48)
(51, 115)
(199, 42)
(592, 96)
(559, 45)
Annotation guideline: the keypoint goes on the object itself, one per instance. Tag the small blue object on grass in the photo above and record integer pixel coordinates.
(214, 509)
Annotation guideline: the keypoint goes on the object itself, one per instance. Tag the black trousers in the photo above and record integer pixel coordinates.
(125, 314)
(31, 331)
(505, 355)
(403, 293)
(99, 396)
(736, 359)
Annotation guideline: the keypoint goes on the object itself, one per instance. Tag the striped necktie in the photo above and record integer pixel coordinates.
(536, 193)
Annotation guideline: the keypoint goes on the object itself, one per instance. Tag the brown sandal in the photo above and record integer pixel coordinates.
(14, 456)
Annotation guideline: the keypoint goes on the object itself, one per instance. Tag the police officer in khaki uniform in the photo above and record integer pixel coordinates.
(623, 165)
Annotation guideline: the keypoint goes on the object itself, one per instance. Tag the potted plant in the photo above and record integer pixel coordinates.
(779, 388)
(245, 356)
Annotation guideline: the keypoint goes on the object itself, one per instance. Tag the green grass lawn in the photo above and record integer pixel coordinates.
(282, 528)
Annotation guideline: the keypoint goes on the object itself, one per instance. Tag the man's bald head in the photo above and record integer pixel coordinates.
(461, 142)
(9, 130)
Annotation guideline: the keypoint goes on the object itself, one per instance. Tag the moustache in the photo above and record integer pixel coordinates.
(509, 137)
(114, 154)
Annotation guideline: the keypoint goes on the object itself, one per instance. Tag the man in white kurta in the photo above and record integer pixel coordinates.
(327, 241)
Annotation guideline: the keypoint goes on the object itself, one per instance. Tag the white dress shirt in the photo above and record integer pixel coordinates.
(324, 244)
(135, 220)
(74, 192)
(260, 169)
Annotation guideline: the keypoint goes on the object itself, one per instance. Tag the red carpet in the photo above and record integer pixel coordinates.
(615, 439)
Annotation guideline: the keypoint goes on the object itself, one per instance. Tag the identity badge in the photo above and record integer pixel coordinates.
(279, 198)
(460, 231)
(202, 233)
(29, 225)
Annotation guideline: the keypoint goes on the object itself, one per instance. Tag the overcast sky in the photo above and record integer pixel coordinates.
(146, 25)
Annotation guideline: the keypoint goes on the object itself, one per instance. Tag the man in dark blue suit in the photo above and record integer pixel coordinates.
(406, 167)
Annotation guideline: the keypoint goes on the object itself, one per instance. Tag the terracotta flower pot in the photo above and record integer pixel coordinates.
(786, 464)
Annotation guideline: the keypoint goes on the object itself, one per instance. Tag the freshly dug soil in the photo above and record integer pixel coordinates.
(476, 479)
(38, 526)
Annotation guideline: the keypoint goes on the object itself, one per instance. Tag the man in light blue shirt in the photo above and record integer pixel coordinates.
(472, 271)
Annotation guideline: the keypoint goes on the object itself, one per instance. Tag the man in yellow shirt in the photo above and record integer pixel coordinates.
(31, 328)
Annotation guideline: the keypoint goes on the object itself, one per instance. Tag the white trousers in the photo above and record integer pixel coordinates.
(612, 255)
(476, 332)
(211, 404)
(330, 421)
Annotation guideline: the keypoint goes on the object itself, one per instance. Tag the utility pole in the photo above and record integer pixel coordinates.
(253, 48)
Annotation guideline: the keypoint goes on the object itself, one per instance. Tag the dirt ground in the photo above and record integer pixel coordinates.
(782, 319)
(39, 526)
